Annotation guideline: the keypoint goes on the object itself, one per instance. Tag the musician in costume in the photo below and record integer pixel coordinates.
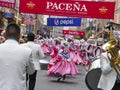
(98, 49)
(90, 52)
(109, 78)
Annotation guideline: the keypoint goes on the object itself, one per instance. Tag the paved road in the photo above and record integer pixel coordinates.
(45, 82)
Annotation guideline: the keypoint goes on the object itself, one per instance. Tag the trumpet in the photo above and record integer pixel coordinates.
(113, 54)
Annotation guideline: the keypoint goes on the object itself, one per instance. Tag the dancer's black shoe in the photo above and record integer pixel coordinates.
(64, 77)
(59, 78)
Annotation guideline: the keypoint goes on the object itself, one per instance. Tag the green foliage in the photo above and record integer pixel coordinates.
(89, 33)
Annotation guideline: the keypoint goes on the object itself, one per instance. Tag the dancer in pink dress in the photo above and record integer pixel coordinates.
(54, 53)
(74, 48)
(64, 66)
(83, 53)
(89, 57)
(45, 47)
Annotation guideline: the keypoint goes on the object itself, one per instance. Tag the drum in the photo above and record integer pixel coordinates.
(43, 64)
(93, 76)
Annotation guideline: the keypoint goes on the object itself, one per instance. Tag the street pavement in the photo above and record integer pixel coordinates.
(45, 82)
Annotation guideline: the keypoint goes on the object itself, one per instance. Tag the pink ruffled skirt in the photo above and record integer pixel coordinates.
(63, 68)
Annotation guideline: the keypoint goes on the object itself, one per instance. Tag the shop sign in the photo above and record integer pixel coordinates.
(9, 15)
(8, 3)
(70, 8)
(73, 32)
(30, 21)
(63, 21)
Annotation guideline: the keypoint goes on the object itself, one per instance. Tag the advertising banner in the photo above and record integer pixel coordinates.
(70, 8)
(63, 21)
(8, 3)
(9, 15)
(73, 32)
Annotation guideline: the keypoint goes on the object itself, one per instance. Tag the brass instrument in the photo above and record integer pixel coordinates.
(113, 54)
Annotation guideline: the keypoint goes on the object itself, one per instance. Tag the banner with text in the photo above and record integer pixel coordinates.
(73, 32)
(70, 8)
(9, 15)
(63, 21)
(8, 3)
